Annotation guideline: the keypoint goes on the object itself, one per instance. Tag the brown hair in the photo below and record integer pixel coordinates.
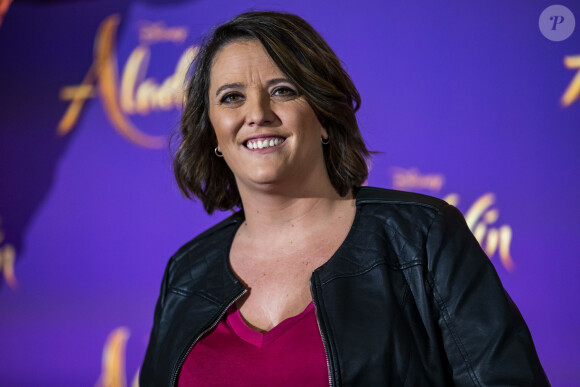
(308, 62)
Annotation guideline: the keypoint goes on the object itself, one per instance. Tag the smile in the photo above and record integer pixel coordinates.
(261, 143)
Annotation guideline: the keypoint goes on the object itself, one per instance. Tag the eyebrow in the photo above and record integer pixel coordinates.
(276, 80)
(237, 85)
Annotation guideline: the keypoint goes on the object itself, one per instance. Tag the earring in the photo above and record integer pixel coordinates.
(325, 141)
(217, 152)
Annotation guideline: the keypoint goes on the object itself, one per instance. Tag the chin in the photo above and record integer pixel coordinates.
(266, 182)
(265, 176)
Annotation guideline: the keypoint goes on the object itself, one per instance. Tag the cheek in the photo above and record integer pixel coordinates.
(315, 128)
(309, 121)
(223, 124)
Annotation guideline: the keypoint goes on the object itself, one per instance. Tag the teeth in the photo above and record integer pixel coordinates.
(266, 143)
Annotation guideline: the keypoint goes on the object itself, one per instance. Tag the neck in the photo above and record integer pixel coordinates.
(275, 216)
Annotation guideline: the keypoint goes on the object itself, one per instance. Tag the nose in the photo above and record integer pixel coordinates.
(259, 111)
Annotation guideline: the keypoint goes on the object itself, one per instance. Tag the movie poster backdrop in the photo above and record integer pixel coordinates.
(474, 102)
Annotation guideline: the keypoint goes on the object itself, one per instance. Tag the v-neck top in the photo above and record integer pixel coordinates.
(233, 354)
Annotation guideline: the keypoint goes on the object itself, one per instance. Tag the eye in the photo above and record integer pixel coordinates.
(231, 98)
(284, 91)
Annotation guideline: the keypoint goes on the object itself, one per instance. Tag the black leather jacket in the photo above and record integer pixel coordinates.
(409, 299)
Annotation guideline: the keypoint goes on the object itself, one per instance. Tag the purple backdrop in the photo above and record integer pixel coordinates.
(465, 101)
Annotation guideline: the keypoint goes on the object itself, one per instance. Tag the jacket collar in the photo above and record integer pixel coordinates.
(352, 256)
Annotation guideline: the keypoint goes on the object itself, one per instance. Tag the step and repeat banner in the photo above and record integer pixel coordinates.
(474, 102)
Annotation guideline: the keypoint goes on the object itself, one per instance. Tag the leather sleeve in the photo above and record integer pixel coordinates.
(149, 367)
(485, 337)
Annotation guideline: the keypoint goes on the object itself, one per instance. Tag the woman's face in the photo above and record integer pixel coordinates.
(267, 132)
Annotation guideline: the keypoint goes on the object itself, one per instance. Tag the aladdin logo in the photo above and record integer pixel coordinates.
(113, 362)
(407, 179)
(573, 90)
(133, 94)
(7, 257)
(480, 217)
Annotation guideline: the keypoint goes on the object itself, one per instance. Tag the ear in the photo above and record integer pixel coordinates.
(323, 132)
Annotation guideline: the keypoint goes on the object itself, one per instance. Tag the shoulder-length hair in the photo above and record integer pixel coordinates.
(310, 64)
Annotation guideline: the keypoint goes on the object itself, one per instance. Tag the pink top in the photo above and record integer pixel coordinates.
(233, 354)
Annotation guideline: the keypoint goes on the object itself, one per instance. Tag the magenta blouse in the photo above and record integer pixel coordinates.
(233, 354)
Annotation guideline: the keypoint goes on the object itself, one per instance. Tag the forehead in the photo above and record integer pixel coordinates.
(242, 61)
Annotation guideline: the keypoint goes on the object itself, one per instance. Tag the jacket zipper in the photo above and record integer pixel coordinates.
(324, 341)
(182, 359)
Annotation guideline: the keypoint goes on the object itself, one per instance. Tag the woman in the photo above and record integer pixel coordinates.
(316, 280)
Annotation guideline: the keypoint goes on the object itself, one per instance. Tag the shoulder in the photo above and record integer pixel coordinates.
(374, 195)
(208, 238)
(204, 251)
(402, 223)
(400, 206)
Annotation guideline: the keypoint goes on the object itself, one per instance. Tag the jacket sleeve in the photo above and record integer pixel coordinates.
(149, 366)
(485, 337)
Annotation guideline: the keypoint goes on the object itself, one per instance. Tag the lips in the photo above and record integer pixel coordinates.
(264, 142)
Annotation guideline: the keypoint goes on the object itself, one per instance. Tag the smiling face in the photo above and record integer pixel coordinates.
(268, 133)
